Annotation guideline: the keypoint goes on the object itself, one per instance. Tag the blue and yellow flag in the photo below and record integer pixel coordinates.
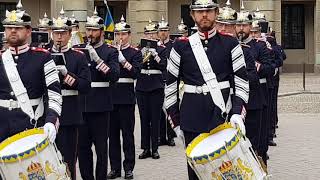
(108, 22)
(108, 25)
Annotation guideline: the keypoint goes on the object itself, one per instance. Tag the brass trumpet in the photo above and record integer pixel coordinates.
(146, 56)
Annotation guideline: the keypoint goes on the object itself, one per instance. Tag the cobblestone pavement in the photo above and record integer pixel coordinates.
(295, 158)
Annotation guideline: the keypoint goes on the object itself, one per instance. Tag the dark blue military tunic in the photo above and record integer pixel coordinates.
(123, 93)
(77, 66)
(99, 99)
(150, 82)
(255, 95)
(39, 76)
(197, 112)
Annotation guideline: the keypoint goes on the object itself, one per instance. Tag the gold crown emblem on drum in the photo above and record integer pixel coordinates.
(34, 167)
(226, 167)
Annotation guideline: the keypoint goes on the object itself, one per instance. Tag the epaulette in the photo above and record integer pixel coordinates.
(77, 50)
(112, 46)
(135, 48)
(38, 49)
(183, 38)
(226, 34)
(245, 45)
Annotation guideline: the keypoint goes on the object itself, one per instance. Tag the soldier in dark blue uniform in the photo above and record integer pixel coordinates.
(32, 81)
(104, 67)
(165, 128)
(122, 116)
(150, 93)
(258, 31)
(75, 80)
(280, 57)
(263, 62)
(198, 113)
(225, 24)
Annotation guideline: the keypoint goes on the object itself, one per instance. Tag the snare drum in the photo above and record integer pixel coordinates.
(30, 155)
(224, 154)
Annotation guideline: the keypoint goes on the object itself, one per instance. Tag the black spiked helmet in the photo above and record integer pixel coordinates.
(17, 18)
(203, 5)
(95, 22)
(227, 15)
(122, 26)
(45, 22)
(62, 23)
(243, 17)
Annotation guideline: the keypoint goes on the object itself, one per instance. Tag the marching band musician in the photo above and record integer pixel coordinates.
(123, 116)
(261, 25)
(75, 79)
(150, 93)
(222, 65)
(33, 80)
(279, 57)
(221, 56)
(165, 128)
(264, 68)
(226, 24)
(104, 67)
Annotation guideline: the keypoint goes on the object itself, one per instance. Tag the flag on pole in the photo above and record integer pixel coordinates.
(108, 25)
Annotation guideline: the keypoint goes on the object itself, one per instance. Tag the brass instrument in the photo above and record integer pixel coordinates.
(146, 56)
(59, 46)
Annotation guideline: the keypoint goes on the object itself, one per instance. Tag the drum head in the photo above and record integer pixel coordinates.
(21, 142)
(213, 142)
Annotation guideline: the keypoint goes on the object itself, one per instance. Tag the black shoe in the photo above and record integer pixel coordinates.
(155, 155)
(145, 154)
(163, 142)
(171, 142)
(128, 175)
(113, 174)
(272, 143)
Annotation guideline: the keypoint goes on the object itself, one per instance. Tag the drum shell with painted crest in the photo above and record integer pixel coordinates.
(224, 153)
(29, 155)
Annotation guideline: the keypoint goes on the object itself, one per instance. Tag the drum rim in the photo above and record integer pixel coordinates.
(26, 154)
(203, 159)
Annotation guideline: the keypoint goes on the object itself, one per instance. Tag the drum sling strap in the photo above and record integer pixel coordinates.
(19, 89)
(208, 75)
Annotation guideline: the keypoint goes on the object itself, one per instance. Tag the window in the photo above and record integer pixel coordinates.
(293, 26)
(3, 7)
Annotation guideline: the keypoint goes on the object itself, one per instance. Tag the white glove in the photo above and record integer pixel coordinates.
(93, 53)
(144, 50)
(62, 69)
(50, 131)
(179, 133)
(121, 58)
(153, 52)
(237, 121)
(276, 71)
